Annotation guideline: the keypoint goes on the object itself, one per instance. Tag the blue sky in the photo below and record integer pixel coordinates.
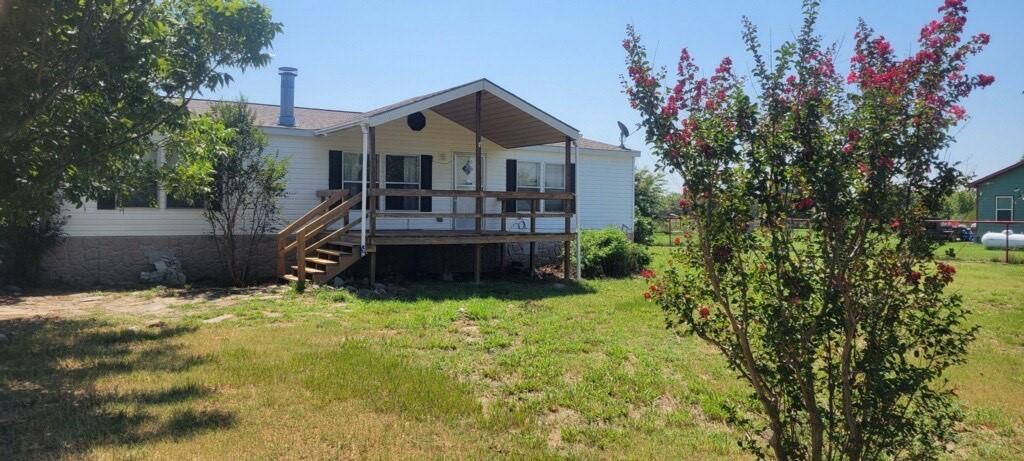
(566, 58)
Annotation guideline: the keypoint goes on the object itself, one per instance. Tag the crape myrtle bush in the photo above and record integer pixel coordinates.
(609, 253)
(842, 330)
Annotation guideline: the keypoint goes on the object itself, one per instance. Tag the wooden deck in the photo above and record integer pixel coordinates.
(453, 237)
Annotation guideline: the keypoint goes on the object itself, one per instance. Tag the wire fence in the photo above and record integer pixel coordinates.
(671, 231)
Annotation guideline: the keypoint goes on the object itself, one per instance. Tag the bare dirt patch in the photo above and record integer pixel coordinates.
(155, 302)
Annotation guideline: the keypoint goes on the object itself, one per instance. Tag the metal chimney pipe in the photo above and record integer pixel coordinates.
(287, 116)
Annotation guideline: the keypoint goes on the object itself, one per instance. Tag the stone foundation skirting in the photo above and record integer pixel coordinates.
(86, 261)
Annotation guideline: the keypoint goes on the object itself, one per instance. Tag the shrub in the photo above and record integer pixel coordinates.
(643, 230)
(609, 253)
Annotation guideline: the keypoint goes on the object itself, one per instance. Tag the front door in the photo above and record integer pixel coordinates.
(465, 179)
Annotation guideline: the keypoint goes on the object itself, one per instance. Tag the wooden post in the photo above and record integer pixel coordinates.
(1006, 258)
(533, 230)
(477, 262)
(567, 206)
(479, 164)
(374, 168)
(300, 258)
(281, 242)
(373, 268)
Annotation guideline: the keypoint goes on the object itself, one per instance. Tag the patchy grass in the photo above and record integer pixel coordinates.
(447, 370)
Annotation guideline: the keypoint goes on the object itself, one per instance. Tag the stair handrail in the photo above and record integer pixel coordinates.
(313, 227)
(283, 246)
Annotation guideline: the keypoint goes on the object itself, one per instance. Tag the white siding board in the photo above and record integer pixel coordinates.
(606, 193)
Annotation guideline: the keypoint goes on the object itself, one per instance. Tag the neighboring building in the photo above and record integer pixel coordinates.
(1000, 197)
(426, 183)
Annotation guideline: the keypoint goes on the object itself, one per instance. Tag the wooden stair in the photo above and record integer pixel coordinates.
(320, 253)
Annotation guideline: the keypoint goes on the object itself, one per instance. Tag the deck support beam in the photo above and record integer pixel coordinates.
(373, 268)
(477, 262)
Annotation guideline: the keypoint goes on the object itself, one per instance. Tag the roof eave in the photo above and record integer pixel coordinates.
(450, 95)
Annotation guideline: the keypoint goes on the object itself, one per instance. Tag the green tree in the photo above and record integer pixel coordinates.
(843, 330)
(960, 205)
(648, 193)
(87, 84)
(221, 162)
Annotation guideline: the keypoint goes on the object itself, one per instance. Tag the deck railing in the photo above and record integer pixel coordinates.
(568, 199)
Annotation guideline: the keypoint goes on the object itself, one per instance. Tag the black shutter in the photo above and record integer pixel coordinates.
(105, 201)
(571, 187)
(426, 181)
(334, 177)
(511, 173)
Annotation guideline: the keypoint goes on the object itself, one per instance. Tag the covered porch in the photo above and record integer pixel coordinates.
(459, 186)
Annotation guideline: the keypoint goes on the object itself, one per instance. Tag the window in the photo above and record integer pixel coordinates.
(527, 180)
(175, 202)
(402, 172)
(1004, 208)
(554, 181)
(144, 196)
(352, 173)
(540, 177)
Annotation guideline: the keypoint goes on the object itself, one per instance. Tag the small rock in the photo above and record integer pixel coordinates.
(160, 266)
(156, 324)
(380, 287)
(4, 339)
(338, 282)
(448, 276)
(219, 318)
(363, 293)
(558, 286)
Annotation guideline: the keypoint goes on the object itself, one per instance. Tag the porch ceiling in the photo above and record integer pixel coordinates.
(504, 124)
(505, 119)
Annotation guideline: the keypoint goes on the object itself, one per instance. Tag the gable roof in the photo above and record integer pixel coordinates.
(989, 177)
(513, 121)
(306, 118)
(507, 120)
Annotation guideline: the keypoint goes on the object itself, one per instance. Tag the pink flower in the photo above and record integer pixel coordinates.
(725, 66)
(982, 38)
(985, 80)
(804, 204)
(683, 203)
(851, 78)
(791, 79)
(895, 224)
(647, 274)
(913, 277)
(853, 135)
(958, 111)
(882, 46)
(847, 148)
(886, 162)
(704, 312)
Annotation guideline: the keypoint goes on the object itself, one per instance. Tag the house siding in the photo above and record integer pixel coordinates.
(605, 195)
(605, 189)
(1011, 184)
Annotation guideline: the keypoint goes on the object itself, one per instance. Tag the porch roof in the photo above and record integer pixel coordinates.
(506, 119)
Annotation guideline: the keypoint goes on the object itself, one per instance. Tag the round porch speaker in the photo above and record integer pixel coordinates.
(416, 121)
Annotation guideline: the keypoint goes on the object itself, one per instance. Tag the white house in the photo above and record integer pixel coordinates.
(422, 154)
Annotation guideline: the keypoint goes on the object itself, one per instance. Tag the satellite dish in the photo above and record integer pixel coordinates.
(623, 134)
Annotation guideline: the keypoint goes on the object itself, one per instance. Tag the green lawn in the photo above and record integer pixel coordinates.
(449, 370)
